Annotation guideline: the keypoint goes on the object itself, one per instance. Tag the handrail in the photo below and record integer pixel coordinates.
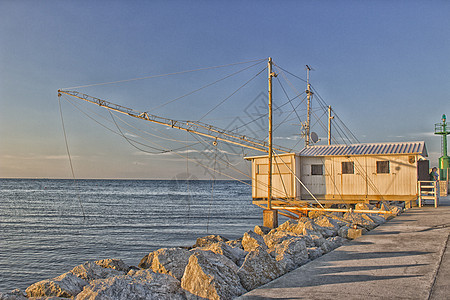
(428, 190)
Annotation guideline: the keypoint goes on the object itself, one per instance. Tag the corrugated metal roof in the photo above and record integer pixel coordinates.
(366, 149)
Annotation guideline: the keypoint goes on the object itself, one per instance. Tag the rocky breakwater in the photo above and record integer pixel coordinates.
(213, 268)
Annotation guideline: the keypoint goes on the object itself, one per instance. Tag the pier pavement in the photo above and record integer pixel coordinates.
(408, 257)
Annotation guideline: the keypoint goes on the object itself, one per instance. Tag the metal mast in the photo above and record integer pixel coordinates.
(270, 215)
(269, 180)
(329, 124)
(308, 106)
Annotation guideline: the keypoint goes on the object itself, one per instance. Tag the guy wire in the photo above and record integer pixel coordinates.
(70, 158)
(162, 75)
(211, 199)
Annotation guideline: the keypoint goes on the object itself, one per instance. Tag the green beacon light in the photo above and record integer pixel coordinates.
(444, 160)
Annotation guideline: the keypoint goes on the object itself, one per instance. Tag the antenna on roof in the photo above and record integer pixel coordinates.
(308, 106)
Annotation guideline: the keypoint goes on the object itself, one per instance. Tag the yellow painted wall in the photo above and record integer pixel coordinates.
(365, 183)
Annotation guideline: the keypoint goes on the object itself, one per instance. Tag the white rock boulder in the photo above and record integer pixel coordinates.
(71, 283)
(258, 269)
(362, 220)
(143, 284)
(66, 285)
(236, 254)
(291, 253)
(16, 294)
(331, 244)
(91, 270)
(252, 241)
(210, 239)
(170, 261)
(277, 237)
(328, 227)
(314, 252)
(211, 276)
(261, 230)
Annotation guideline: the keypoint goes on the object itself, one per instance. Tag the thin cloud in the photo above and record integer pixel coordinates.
(289, 138)
(38, 157)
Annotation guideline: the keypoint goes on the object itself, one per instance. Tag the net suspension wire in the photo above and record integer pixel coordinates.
(70, 157)
(260, 117)
(223, 162)
(321, 102)
(159, 150)
(233, 93)
(188, 145)
(289, 100)
(128, 140)
(211, 199)
(189, 196)
(166, 74)
(204, 87)
(171, 151)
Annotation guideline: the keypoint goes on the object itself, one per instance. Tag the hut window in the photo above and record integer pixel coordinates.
(348, 167)
(316, 169)
(382, 167)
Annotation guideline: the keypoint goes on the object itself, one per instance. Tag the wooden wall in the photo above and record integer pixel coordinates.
(364, 184)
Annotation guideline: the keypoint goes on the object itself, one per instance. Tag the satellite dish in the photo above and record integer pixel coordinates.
(314, 137)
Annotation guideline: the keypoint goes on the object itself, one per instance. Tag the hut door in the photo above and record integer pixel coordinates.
(423, 169)
(351, 174)
(382, 176)
(313, 176)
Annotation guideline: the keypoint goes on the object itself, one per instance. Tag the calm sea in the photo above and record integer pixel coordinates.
(44, 232)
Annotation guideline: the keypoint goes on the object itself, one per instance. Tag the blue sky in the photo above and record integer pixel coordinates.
(384, 67)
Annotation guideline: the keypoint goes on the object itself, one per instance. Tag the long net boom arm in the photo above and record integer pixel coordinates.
(195, 127)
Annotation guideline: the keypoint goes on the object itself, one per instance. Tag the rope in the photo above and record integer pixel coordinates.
(162, 75)
(290, 73)
(290, 101)
(281, 177)
(203, 87)
(233, 168)
(115, 132)
(262, 116)
(298, 179)
(221, 102)
(201, 140)
(70, 158)
(211, 199)
(167, 150)
(130, 139)
(188, 183)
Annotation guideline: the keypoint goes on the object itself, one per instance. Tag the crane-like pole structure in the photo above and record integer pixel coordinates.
(200, 128)
(269, 179)
(270, 216)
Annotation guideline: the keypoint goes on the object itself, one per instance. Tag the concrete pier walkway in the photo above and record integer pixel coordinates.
(406, 258)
